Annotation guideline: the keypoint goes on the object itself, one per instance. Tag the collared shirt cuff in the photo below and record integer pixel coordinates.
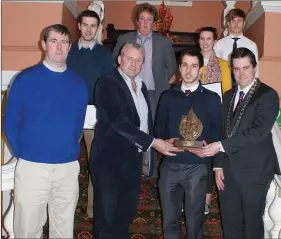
(214, 169)
(221, 147)
(150, 145)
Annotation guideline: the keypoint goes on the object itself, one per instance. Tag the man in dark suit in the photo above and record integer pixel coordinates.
(122, 134)
(246, 160)
(160, 62)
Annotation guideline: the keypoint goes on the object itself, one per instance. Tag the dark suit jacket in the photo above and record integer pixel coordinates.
(117, 134)
(164, 62)
(250, 153)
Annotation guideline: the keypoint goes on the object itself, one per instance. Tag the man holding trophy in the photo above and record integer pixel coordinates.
(189, 114)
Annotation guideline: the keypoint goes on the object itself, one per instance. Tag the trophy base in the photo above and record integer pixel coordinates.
(188, 144)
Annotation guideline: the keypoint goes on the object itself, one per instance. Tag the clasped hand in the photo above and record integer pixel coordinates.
(208, 150)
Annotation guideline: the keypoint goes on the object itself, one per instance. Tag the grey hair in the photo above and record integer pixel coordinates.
(130, 45)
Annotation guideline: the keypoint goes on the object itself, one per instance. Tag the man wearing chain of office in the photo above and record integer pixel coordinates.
(246, 160)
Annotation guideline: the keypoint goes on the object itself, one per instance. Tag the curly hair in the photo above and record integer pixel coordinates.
(146, 7)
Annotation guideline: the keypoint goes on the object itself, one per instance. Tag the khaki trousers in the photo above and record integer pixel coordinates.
(38, 185)
(89, 136)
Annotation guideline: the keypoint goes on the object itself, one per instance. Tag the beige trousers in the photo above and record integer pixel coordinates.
(89, 136)
(38, 185)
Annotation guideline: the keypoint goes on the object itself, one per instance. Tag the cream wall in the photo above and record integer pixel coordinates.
(21, 39)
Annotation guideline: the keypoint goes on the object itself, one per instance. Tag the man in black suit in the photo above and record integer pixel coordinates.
(246, 160)
(122, 134)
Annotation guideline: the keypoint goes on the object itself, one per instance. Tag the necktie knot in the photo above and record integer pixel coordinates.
(187, 92)
(235, 39)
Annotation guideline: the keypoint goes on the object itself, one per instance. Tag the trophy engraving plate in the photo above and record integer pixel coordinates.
(190, 128)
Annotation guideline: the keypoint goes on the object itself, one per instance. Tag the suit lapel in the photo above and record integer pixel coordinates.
(134, 38)
(253, 98)
(154, 49)
(232, 121)
(229, 107)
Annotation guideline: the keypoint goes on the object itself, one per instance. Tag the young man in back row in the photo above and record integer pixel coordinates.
(91, 61)
(235, 22)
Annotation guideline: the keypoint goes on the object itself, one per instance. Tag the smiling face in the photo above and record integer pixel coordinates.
(131, 61)
(145, 23)
(189, 70)
(88, 28)
(206, 41)
(243, 71)
(56, 47)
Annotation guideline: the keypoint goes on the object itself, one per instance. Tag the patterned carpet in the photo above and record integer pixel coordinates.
(147, 223)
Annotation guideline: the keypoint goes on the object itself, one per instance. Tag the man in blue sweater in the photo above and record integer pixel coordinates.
(184, 175)
(91, 61)
(43, 123)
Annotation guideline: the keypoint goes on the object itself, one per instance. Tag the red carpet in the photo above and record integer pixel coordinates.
(147, 223)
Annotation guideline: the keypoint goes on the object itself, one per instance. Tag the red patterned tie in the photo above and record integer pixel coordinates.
(241, 96)
(187, 92)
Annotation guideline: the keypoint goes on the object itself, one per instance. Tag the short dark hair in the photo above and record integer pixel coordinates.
(63, 30)
(146, 7)
(192, 52)
(236, 12)
(88, 13)
(243, 52)
(209, 29)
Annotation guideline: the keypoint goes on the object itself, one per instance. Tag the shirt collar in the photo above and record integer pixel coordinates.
(52, 68)
(148, 37)
(91, 45)
(246, 89)
(240, 36)
(127, 79)
(193, 88)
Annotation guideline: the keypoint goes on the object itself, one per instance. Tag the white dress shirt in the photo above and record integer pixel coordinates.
(139, 101)
(245, 90)
(223, 47)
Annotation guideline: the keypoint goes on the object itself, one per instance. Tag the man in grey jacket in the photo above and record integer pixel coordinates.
(160, 62)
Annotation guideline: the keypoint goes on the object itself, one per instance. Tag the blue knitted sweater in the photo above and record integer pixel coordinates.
(90, 65)
(45, 114)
